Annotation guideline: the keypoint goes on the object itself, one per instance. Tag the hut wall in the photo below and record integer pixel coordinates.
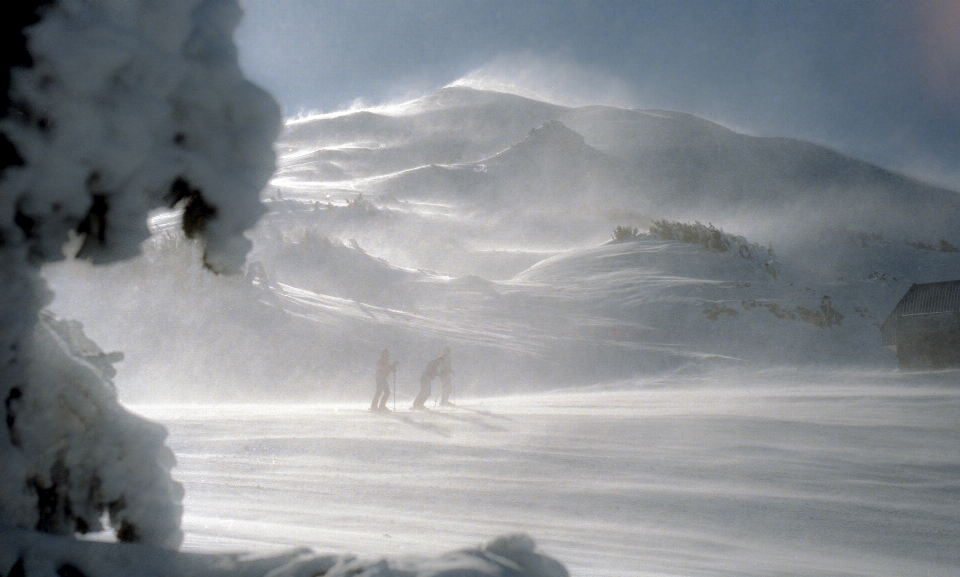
(928, 341)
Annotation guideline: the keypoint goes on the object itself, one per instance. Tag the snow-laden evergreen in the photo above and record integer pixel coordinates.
(121, 107)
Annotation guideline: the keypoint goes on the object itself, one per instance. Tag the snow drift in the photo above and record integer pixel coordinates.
(28, 553)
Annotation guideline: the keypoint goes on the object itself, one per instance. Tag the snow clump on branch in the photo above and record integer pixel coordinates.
(110, 109)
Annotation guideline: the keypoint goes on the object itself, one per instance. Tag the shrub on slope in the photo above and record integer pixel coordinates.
(714, 240)
(625, 233)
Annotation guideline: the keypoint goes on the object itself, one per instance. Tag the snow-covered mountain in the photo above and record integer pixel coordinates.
(481, 220)
(484, 146)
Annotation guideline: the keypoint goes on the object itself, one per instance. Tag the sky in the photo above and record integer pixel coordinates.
(879, 80)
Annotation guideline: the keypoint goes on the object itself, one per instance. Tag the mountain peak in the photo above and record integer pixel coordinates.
(553, 142)
(554, 130)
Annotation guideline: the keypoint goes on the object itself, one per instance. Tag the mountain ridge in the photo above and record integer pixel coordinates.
(661, 163)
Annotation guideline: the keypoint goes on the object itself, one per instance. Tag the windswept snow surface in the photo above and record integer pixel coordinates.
(771, 473)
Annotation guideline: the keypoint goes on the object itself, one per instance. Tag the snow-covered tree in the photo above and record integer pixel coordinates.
(111, 108)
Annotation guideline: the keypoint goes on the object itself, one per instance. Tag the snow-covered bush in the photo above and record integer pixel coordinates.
(360, 205)
(112, 108)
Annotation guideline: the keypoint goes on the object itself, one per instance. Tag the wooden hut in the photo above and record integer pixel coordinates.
(924, 327)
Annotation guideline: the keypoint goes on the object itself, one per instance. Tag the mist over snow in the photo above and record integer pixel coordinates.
(555, 80)
(663, 333)
(482, 220)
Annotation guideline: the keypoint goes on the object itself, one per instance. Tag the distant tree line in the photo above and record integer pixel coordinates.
(865, 239)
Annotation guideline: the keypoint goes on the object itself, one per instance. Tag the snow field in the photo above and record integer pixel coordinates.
(772, 473)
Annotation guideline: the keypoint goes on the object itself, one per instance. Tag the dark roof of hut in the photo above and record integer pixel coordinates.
(922, 299)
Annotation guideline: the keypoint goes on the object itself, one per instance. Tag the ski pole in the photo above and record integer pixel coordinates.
(394, 389)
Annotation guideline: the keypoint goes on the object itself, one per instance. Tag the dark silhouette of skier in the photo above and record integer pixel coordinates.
(384, 368)
(446, 378)
(432, 371)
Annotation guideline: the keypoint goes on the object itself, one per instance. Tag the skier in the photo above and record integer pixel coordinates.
(446, 378)
(384, 368)
(431, 371)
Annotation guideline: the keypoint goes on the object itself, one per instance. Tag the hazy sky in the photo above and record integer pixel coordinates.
(880, 80)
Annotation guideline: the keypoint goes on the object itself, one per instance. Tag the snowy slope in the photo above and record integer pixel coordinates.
(346, 146)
